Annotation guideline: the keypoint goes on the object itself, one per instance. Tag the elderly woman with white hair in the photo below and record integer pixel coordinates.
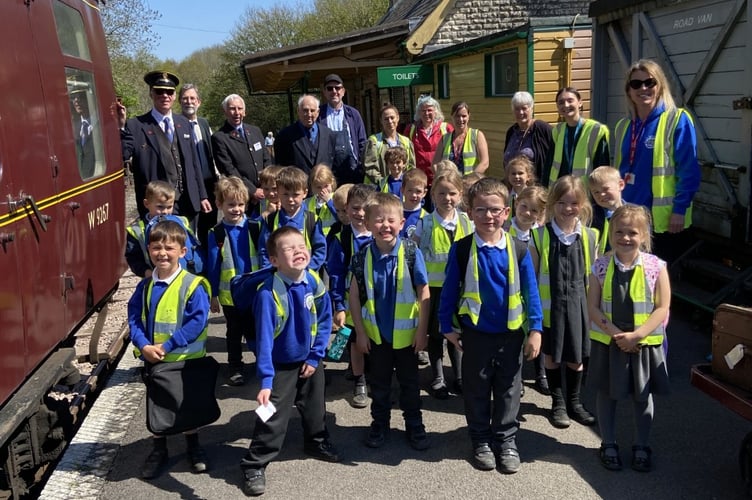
(425, 133)
(528, 137)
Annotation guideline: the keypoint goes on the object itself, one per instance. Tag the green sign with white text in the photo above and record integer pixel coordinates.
(404, 76)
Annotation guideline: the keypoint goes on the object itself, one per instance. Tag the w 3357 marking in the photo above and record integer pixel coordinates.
(99, 215)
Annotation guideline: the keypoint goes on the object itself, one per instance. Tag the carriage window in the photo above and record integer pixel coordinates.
(502, 73)
(70, 31)
(87, 129)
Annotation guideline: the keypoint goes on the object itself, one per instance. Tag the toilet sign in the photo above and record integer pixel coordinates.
(404, 76)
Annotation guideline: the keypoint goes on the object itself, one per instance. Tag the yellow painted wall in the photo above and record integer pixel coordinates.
(493, 115)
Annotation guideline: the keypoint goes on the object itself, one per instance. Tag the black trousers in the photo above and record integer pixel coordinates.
(491, 366)
(240, 325)
(435, 345)
(207, 221)
(384, 360)
(288, 389)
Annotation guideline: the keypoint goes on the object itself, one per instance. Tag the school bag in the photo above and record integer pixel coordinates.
(243, 287)
(193, 261)
(359, 261)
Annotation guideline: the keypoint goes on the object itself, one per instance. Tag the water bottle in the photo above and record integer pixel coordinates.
(339, 343)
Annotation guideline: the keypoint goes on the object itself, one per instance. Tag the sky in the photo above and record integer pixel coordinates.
(190, 25)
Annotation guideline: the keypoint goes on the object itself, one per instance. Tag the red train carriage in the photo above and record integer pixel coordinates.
(61, 204)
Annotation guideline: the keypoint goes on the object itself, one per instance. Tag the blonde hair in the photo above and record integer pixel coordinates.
(451, 176)
(487, 186)
(536, 194)
(663, 89)
(292, 178)
(523, 161)
(269, 174)
(381, 201)
(340, 194)
(640, 217)
(232, 187)
(322, 174)
(415, 175)
(159, 190)
(570, 184)
(445, 165)
(604, 174)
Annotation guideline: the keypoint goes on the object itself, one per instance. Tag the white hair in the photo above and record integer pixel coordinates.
(300, 100)
(427, 100)
(231, 97)
(522, 98)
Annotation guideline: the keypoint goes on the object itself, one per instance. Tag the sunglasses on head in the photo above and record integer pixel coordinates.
(648, 83)
(164, 91)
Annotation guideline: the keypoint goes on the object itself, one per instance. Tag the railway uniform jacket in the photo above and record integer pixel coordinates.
(242, 157)
(141, 140)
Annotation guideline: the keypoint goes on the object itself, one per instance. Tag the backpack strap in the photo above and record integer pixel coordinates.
(357, 266)
(219, 236)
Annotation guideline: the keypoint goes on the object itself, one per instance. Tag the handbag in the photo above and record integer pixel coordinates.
(180, 395)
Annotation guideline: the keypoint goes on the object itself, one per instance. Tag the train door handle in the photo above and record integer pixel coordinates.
(43, 219)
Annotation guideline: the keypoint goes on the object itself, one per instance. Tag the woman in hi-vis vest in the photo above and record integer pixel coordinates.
(655, 149)
(465, 147)
(580, 144)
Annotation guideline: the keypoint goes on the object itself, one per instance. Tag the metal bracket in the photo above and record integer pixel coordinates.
(743, 103)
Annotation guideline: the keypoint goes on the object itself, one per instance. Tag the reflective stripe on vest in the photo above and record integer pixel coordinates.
(470, 303)
(435, 244)
(541, 234)
(227, 268)
(275, 226)
(584, 151)
(469, 154)
(169, 316)
(643, 300)
(323, 213)
(279, 292)
(138, 231)
(663, 185)
(381, 148)
(406, 307)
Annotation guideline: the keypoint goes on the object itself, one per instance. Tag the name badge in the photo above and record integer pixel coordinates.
(629, 178)
(257, 146)
(186, 136)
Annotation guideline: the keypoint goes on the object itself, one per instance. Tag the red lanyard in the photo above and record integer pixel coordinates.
(635, 137)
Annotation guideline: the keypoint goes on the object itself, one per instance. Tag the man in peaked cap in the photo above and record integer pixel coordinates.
(160, 146)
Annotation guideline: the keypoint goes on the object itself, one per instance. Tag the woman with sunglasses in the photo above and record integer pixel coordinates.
(656, 153)
(465, 147)
(580, 144)
(528, 137)
(377, 144)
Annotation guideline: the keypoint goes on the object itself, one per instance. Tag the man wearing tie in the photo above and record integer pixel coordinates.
(83, 127)
(305, 144)
(190, 101)
(239, 148)
(160, 146)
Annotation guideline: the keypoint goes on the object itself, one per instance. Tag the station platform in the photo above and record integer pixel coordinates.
(694, 440)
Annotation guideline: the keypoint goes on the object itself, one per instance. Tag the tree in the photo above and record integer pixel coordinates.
(128, 32)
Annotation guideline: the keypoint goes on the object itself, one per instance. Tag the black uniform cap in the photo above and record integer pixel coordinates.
(161, 80)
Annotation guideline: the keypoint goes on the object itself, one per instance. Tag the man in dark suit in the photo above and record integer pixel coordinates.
(190, 101)
(160, 146)
(305, 144)
(239, 148)
(83, 127)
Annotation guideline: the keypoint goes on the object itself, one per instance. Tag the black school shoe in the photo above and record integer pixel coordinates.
(417, 437)
(324, 451)
(376, 435)
(154, 463)
(198, 460)
(642, 458)
(254, 482)
(509, 461)
(483, 457)
(609, 456)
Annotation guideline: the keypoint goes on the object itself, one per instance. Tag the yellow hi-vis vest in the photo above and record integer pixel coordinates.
(435, 244)
(227, 268)
(306, 236)
(279, 292)
(542, 240)
(469, 154)
(470, 298)
(643, 299)
(590, 136)
(169, 316)
(663, 183)
(406, 307)
(323, 213)
(138, 232)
